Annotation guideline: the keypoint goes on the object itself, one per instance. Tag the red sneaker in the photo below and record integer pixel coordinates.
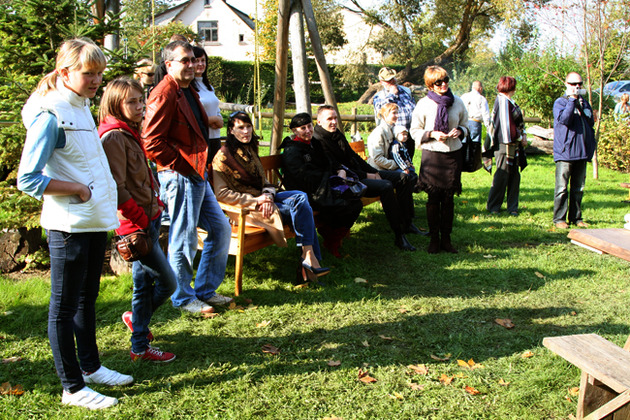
(126, 318)
(153, 354)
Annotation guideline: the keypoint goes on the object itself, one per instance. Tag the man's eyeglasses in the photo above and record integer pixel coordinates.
(148, 74)
(440, 82)
(186, 60)
(574, 83)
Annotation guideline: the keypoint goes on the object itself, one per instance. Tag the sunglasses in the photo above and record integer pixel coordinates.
(574, 83)
(440, 82)
(186, 60)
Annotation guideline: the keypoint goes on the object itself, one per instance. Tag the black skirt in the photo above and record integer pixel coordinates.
(441, 172)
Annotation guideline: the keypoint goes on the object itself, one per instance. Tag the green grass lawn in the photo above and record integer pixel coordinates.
(412, 309)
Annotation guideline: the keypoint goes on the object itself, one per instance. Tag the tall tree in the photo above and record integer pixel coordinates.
(420, 33)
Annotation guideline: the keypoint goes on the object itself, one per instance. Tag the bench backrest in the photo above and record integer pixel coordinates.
(272, 165)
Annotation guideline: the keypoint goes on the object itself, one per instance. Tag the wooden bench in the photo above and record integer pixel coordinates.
(245, 238)
(605, 381)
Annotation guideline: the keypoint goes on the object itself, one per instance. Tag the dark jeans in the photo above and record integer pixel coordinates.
(475, 130)
(573, 172)
(396, 192)
(153, 283)
(505, 178)
(76, 261)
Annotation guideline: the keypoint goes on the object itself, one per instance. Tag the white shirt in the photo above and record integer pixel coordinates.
(477, 107)
(210, 103)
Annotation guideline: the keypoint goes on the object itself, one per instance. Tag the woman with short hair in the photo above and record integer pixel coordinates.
(439, 122)
(507, 141)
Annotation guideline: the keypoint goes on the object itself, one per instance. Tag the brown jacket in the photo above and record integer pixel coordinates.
(171, 135)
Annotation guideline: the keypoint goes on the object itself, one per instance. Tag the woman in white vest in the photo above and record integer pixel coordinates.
(63, 162)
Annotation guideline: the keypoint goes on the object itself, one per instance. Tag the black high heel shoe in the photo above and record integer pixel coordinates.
(316, 272)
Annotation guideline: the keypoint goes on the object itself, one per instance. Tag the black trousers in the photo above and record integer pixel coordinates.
(396, 192)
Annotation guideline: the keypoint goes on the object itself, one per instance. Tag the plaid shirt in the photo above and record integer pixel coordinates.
(404, 100)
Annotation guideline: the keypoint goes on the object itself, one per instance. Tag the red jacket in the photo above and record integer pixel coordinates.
(171, 135)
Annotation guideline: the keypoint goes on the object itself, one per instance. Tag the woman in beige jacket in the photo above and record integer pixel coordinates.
(439, 122)
(239, 179)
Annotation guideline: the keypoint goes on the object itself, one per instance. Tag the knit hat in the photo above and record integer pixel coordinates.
(386, 74)
(399, 129)
(300, 119)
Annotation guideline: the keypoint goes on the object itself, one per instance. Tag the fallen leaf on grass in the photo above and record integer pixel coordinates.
(459, 375)
(384, 337)
(301, 286)
(332, 418)
(441, 359)
(403, 310)
(365, 343)
(503, 383)
(475, 217)
(360, 280)
(489, 256)
(365, 378)
(262, 324)
(464, 201)
(334, 363)
(232, 305)
(396, 396)
(470, 364)
(445, 379)
(11, 359)
(268, 348)
(539, 275)
(7, 389)
(416, 387)
(527, 354)
(566, 397)
(574, 391)
(505, 323)
(210, 315)
(419, 369)
(471, 390)
(252, 307)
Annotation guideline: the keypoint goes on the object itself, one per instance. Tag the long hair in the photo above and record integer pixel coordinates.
(115, 93)
(73, 54)
(200, 52)
(231, 141)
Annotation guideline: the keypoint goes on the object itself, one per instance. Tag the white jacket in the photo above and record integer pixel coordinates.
(82, 160)
(379, 141)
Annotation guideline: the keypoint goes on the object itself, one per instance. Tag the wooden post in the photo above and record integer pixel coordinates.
(353, 130)
(298, 56)
(318, 51)
(280, 91)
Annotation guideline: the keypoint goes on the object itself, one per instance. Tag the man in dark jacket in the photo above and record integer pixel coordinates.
(391, 186)
(573, 146)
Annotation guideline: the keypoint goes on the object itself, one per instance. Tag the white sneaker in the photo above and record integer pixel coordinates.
(106, 376)
(88, 398)
(197, 306)
(219, 300)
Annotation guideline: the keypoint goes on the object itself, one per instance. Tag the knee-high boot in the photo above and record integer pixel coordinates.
(433, 220)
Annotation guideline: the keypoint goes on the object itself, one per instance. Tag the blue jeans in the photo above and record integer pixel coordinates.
(573, 172)
(295, 210)
(153, 283)
(76, 261)
(191, 203)
(475, 130)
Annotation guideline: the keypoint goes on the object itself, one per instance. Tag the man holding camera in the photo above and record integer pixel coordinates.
(573, 146)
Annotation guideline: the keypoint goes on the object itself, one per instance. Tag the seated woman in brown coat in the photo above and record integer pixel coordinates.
(239, 178)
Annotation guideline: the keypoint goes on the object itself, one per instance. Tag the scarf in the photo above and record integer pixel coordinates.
(443, 102)
(243, 171)
(112, 123)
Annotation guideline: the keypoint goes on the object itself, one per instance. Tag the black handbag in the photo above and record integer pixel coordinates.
(347, 188)
(471, 151)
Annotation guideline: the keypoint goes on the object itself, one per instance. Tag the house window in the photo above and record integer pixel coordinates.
(206, 3)
(208, 31)
(241, 37)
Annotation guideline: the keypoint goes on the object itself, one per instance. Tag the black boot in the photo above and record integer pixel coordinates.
(402, 242)
(446, 227)
(433, 219)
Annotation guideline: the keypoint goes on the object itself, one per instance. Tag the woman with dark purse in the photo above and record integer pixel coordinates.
(239, 178)
(506, 142)
(306, 167)
(440, 122)
(139, 208)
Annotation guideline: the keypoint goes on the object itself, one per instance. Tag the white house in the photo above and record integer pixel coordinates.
(224, 30)
(228, 32)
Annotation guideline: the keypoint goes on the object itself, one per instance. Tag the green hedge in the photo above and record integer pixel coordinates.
(613, 149)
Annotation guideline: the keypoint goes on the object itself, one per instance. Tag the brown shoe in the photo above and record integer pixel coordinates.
(562, 225)
(581, 224)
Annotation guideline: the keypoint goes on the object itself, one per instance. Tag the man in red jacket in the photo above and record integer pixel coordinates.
(174, 137)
